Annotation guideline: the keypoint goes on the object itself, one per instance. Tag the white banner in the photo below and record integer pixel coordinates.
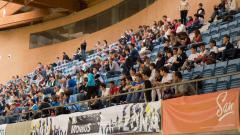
(129, 118)
(3, 129)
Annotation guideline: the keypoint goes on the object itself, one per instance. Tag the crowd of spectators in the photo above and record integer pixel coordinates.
(129, 58)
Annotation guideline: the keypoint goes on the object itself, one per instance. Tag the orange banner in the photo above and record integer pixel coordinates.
(202, 113)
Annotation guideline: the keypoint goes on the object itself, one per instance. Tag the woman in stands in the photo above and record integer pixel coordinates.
(197, 36)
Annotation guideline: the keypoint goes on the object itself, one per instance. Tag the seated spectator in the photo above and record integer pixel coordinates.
(144, 49)
(185, 89)
(182, 56)
(231, 6)
(218, 10)
(123, 89)
(160, 61)
(45, 104)
(181, 27)
(170, 59)
(197, 36)
(114, 68)
(104, 95)
(114, 90)
(213, 47)
(203, 54)
(137, 85)
(189, 63)
(226, 54)
(166, 79)
(82, 88)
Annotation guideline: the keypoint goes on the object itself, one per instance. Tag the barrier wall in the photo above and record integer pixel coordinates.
(194, 114)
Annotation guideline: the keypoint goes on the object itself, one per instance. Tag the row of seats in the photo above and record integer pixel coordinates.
(219, 68)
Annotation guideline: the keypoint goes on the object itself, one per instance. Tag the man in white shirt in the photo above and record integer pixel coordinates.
(194, 54)
(213, 47)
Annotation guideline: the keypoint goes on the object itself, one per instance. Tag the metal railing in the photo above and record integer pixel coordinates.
(85, 102)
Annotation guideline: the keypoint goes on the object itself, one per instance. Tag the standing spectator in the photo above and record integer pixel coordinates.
(83, 49)
(147, 84)
(184, 7)
(91, 91)
(201, 12)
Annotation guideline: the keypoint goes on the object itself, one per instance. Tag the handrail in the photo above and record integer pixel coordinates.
(143, 90)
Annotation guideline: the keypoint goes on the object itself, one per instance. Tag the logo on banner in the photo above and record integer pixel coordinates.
(84, 124)
(225, 108)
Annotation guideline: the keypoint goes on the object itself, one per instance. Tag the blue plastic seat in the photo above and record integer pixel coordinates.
(153, 57)
(206, 39)
(237, 16)
(223, 83)
(235, 32)
(206, 33)
(223, 33)
(216, 37)
(235, 81)
(233, 65)
(232, 24)
(75, 107)
(214, 30)
(208, 70)
(197, 72)
(209, 86)
(156, 49)
(220, 68)
(223, 27)
(187, 75)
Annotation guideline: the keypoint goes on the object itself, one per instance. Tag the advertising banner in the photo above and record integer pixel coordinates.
(202, 113)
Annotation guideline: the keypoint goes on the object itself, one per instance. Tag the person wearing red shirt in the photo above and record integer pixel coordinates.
(114, 90)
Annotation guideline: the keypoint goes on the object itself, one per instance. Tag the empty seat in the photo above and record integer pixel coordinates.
(237, 16)
(223, 33)
(223, 83)
(232, 24)
(234, 32)
(220, 68)
(216, 37)
(208, 70)
(156, 49)
(209, 86)
(197, 72)
(206, 39)
(235, 81)
(187, 75)
(233, 65)
(214, 30)
(153, 57)
(206, 33)
(223, 27)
